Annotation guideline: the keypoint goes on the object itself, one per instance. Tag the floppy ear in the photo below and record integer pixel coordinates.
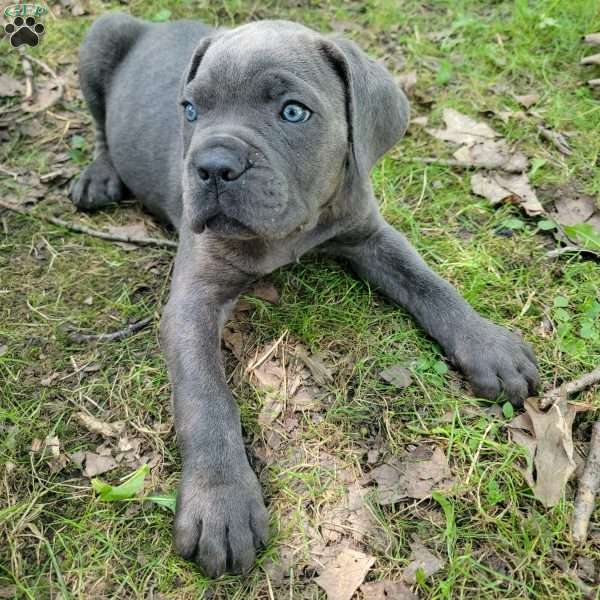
(197, 57)
(376, 108)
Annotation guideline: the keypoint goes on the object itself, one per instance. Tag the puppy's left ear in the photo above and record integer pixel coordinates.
(376, 108)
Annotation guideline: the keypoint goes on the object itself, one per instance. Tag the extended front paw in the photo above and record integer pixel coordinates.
(220, 526)
(498, 363)
(97, 186)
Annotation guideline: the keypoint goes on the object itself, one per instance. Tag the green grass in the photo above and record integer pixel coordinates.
(56, 538)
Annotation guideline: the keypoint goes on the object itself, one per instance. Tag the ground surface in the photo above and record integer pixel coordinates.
(496, 540)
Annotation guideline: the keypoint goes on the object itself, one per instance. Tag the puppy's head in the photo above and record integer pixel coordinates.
(280, 122)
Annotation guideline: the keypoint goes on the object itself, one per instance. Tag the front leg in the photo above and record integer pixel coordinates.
(494, 359)
(220, 518)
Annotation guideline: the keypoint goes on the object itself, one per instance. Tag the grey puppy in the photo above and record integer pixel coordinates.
(256, 144)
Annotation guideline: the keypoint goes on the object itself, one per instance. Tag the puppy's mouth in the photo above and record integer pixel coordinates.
(225, 226)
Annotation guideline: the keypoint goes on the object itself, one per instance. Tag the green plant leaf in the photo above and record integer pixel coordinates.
(131, 485)
(508, 411)
(513, 223)
(560, 302)
(546, 224)
(440, 367)
(167, 501)
(162, 15)
(585, 235)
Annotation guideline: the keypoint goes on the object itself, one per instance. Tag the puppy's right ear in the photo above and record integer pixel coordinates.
(197, 57)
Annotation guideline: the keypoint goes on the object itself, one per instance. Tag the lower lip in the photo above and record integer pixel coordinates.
(228, 226)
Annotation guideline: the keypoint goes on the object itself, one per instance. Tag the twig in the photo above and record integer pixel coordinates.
(564, 250)
(59, 86)
(75, 336)
(571, 387)
(113, 237)
(26, 64)
(588, 487)
(5, 171)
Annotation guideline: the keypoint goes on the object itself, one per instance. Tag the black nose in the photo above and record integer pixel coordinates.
(219, 164)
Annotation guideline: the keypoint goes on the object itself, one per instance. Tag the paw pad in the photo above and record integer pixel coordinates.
(24, 31)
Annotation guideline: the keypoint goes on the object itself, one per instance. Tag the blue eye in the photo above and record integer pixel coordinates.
(191, 114)
(295, 113)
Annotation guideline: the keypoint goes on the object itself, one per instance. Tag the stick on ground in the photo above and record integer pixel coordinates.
(588, 487)
(104, 235)
(120, 334)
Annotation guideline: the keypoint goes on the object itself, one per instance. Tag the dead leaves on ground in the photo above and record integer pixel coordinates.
(416, 475)
(547, 439)
(504, 177)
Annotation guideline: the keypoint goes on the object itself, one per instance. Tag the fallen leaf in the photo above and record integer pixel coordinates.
(96, 464)
(387, 590)
(462, 129)
(47, 381)
(547, 438)
(572, 210)
(36, 445)
(420, 121)
(271, 409)
(421, 560)
(303, 400)
(9, 86)
(557, 139)
(492, 154)
(527, 100)
(99, 427)
(268, 375)
(318, 369)
(407, 82)
(341, 576)
(132, 230)
(131, 485)
(496, 187)
(397, 375)
(52, 445)
(414, 475)
(234, 341)
(47, 92)
(266, 291)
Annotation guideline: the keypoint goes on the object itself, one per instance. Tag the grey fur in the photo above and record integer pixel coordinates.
(249, 193)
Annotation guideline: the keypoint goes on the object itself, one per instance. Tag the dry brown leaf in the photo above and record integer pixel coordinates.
(47, 381)
(492, 154)
(132, 230)
(397, 375)
(318, 369)
(421, 559)
(407, 82)
(47, 92)
(527, 100)
(269, 375)
(9, 86)
(266, 291)
(271, 409)
(387, 590)
(99, 427)
(304, 400)
(52, 445)
(341, 576)
(420, 121)
(234, 341)
(415, 475)
(462, 129)
(350, 517)
(547, 438)
(496, 187)
(96, 464)
(557, 139)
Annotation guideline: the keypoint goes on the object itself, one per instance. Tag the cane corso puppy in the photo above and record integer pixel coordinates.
(256, 144)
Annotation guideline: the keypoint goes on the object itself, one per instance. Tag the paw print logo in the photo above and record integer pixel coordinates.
(24, 31)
